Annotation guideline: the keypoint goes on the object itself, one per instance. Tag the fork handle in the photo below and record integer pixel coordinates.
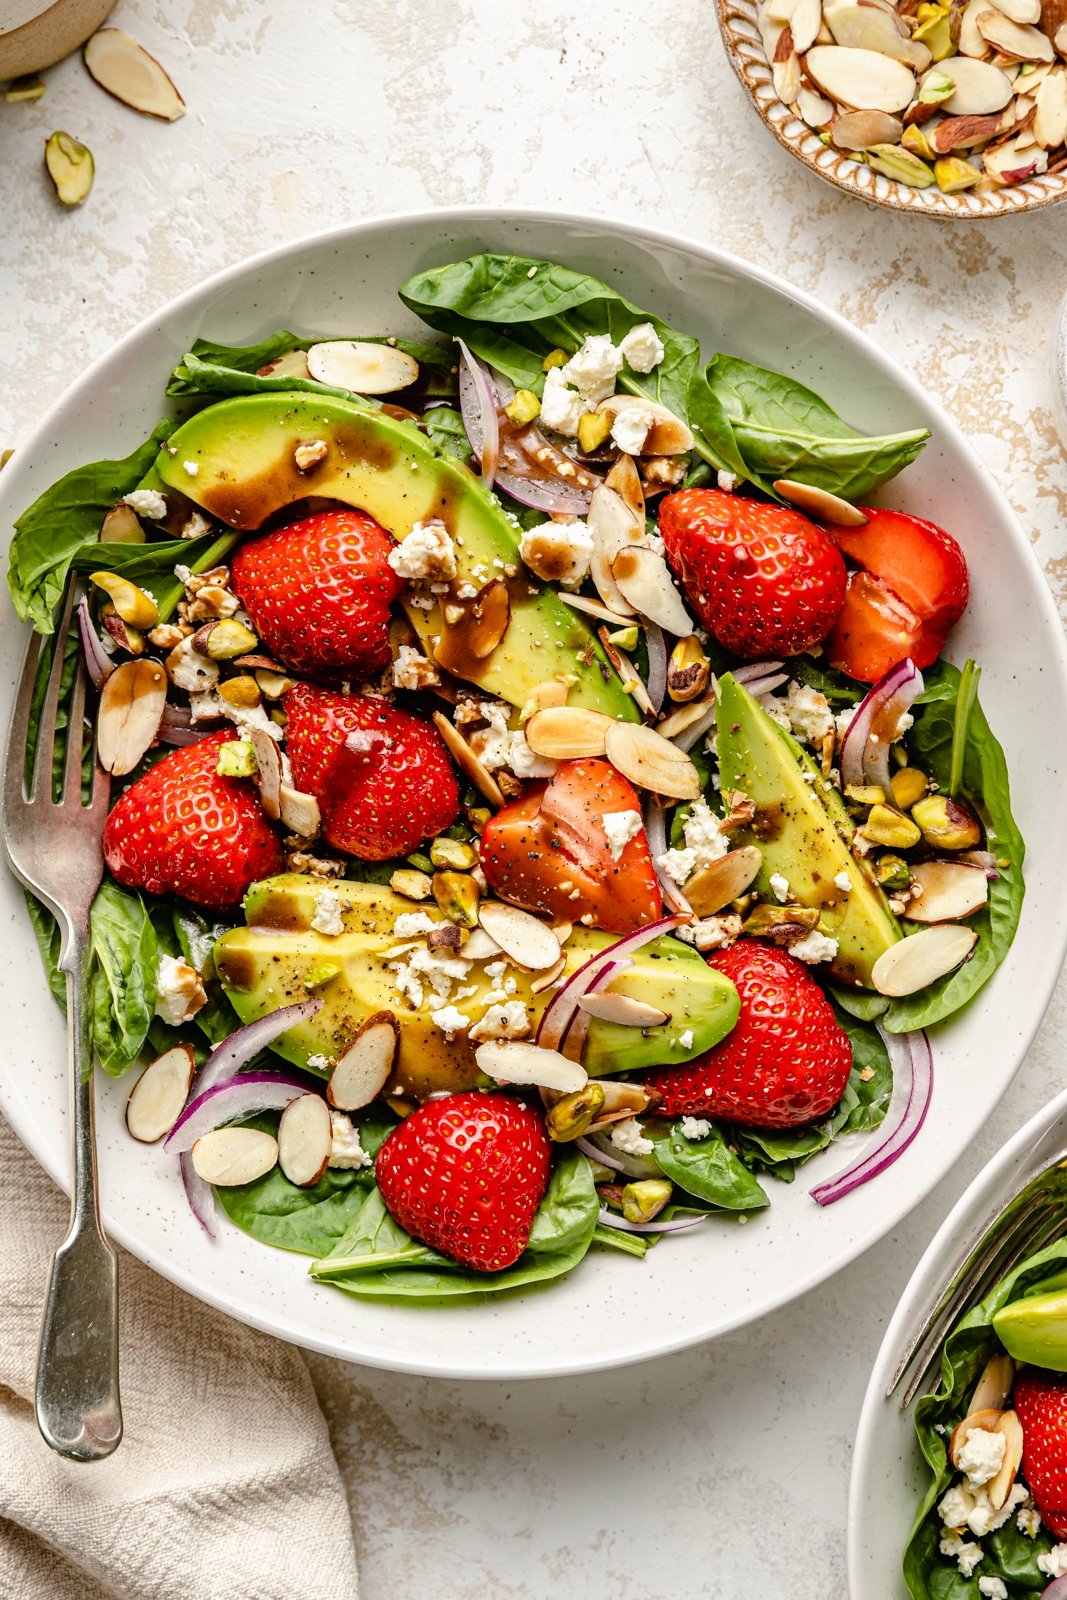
(77, 1393)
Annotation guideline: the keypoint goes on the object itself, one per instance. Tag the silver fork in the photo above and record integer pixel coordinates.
(54, 847)
(1026, 1211)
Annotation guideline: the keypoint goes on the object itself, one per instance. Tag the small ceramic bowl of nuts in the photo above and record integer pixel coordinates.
(947, 108)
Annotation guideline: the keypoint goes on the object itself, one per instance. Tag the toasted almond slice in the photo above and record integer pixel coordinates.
(685, 717)
(593, 608)
(515, 1061)
(979, 86)
(467, 761)
(122, 525)
(862, 27)
(305, 1137)
(950, 891)
(863, 79)
(126, 70)
(652, 762)
(362, 367)
(613, 525)
(482, 624)
(716, 885)
(785, 69)
(525, 938)
(922, 958)
(365, 1068)
(291, 364)
(984, 1421)
(1014, 39)
(1014, 162)
(820, 502)
(645, 583)
(268, 771)
(564, 733)
(994, 1386)
(131, 705)
(300, 812)
(1050, 122)
(998, 1490)
(815, 109)
(625, 670)
(1059, 39)
(624, 1098)
(1022, 11)
(479, 946)
(625, 479)
(160, 1093)
(545, 980)
(668, 435)
(543, 696)
(804, 24)
(623, 1009)
(234, 1155)
(971, 42)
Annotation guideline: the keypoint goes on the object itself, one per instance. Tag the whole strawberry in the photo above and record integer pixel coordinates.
(762, 579)
(181, 829)
(382, 777)
(318, 592)
(1040, 1402)
(787, 1060)
(466, 1175)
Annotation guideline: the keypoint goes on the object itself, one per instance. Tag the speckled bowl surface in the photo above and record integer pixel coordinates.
(613, 1309)
(744, 47)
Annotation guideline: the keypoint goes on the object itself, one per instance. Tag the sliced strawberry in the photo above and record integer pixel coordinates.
(1040, 1401)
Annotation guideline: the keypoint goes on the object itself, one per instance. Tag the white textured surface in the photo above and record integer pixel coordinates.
(719, 1473)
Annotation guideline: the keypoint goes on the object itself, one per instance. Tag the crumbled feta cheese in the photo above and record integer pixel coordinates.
(409, 924)
(727, 481)
(500, 746)
(194, 525)
(993, 1588)
(630, 428)
(843, 719)
(984, 1519)
(427, 555)
(704, 843)
(345, 1148)
(1053, 1563)
(685, 1040)
(641, 348)
(180, 991)
(629, 1137)
(814, 947)
(962, 1551)
(319, 1063)
(508, 1021)
(621, 827)
(559, 552)
(188, 669)
(428, 970)
(980, 1455)
(593, 369)
(843, 882)
(710, 933)
(780, 886)
(561, 407)
(411, 670)
(809, 713)
(1029, 1521)
(956, 1506)
(191, 467)
(524, 762)
(450, 1021)
(327, 918)
(206, 706)
(147, 503)
(775, 709)
(694, 1128)
(183, 573)
(245, 718)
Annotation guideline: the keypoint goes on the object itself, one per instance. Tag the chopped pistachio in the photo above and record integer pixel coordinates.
(864, 794)
(570, 1117)
(321, 974)
(891, 828)
(646, 1199)
(412, 885)
(893, 161)
(457, 895)
(242, 692)
(70, 167)
(946, 824)
(523, 407)
(452, 853)
(236, 760)
(626, 638)
(908, 785)
(954, 174)
(28, 88)
(915, 140)
(554, 358)
(593, 429)
(938, 87)
(892, 872)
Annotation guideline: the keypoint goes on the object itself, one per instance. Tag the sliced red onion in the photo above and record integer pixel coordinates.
(98, 663)
(477, 404)
(656, 834)
(912, 1062)
(753, 670)
(600, 1148)
(544, 494)
(240, 1046)
(761, 686)
(200, 1195)
(696, 730)
(981, 858)
(177, 727)
(865, 747)
(657, 664)
(1056, 1590)
(578, 1027)
(611, 1219)
(242, 1096)
(558, 1015)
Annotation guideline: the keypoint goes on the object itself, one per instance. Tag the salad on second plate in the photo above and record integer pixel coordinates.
(542, 808)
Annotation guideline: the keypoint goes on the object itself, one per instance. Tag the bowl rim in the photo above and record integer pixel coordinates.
(1047, 617)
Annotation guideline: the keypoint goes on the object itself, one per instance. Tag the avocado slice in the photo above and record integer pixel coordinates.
(267, 964)
(1034, 1329)
(242, 450)
(803, 831)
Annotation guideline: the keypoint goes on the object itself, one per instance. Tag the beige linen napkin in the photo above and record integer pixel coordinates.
(225, 1486)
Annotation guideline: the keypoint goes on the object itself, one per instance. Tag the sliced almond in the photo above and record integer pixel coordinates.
(131, 705)
(291, 364)
(1050, 121)
(479, 946)
(625, 479)
(1023, 11)
(1000, 1487)
(122, 525)
(815, 109)
(980, 87)
(480, 627)
(231, 1156)
(613, 525)
(566, 733)
(724, 880)
(623, 1010)
(1059, 39)
(651, 761)
(983, 1421)
(126, 70)
(515, 1061)
(1014, 39)
(643, 579)
(543, 696)
(545, 980)
(949, 891)
(820, 502)
(160, 1093)
(362, 367)
(685, 717)
(268, 771)
(668, 435)
(964, 133)
(870, 28)
(861, 130)
(626, 672)
(305, 1137)
(525, 938)
(785, 68)
(593, 608)
(1014, 162)
(365, 1068)
(621, 1097)
(922, 958)
(994, 1386)
(300, 812)
(466, 760)
(804, 24)
(971, 42)
(863, 79)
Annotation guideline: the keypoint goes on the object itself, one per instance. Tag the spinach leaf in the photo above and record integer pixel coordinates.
(151, 565)
(377, 1259)
(46, 932)
(861, 1003)
(216, 369)
(784, 430)
(1009, 1553)
(709, 1169)
(839, 690)
(629, 1244)
(64, 519)
(123, 984)
(445, 428)
(986, 787)
(966, 695)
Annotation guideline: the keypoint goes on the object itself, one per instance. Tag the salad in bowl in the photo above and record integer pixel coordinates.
(542, 808)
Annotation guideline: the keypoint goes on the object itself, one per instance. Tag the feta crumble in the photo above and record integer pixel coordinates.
(426, 972)
(642, 348)
(409, 924)
(981, 1455)
(592, 370)
(147, 503)
(685, 1040)
(500, 746)
(559, 552)
(955, 1507)
(450, 1021)
(962, 1551)
(561, 407)
(710, 933)
(814, 947)
(993, 1588)
(843, 882)
(727, 481)
(621, 827)
(327, 918)
(780, 887)
(427, 555)
(1053, 1563)
(180, 991)
(694, 1128)
(191, 467)
(630, 428)
(629, 1138)
(704, 843)
(411, 670)
(511, 1020)
(1029, 1521)
(345, 1148)
(319, 1063)
(809, 712)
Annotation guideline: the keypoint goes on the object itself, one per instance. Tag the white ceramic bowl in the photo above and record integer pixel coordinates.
(612, 1310)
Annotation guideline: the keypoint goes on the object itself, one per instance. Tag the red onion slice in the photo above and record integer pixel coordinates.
(611, 1219)
(558, 1015)
(657, 664)
(656, 834)
(578, 1027)
(544, 494)
(755, 669)
(239, 1047)
(760, 686)
(243, 1096)
(912, 1062)
(98, 663)
(200, 1195)
(598, 1147)
(477, 404)
(865, 747)
(1056, 1590)
(696, 730)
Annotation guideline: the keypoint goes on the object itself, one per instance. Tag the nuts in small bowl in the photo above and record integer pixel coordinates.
(939, 107)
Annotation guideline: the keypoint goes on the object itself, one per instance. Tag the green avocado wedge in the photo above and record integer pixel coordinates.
(268, 964)
(236, 461)
(803, 831)
(1034, 1329)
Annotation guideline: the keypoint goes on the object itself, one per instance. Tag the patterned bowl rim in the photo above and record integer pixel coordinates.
(744, 49)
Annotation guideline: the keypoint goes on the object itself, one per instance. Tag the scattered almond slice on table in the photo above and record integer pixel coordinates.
(126, 70)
